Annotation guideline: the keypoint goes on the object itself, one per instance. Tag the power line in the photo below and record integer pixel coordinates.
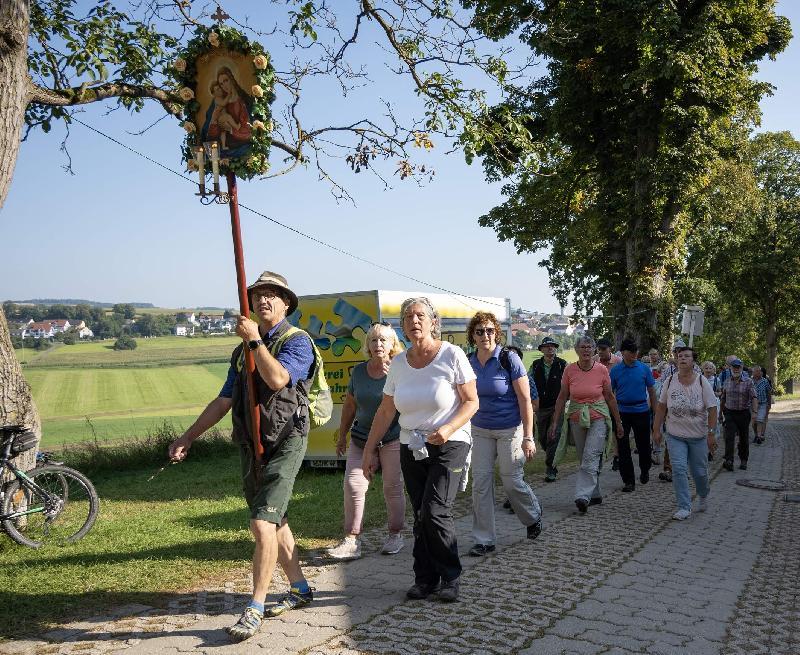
(294, 229)
(323, 243)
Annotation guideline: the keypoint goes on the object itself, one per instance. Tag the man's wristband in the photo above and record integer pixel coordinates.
(527, 438)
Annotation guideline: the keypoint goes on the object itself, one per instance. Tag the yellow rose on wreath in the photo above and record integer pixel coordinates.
(179, 64)
(213, 39)
(189, 126)
(257, 91)
(258, 125)
(186, 94)
(260, 62)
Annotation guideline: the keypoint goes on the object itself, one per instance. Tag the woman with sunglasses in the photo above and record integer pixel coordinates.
(432, 385)
(502, 432)
(364, 395)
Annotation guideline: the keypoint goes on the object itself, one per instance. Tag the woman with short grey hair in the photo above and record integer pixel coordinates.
(586, 385)
(432, 386)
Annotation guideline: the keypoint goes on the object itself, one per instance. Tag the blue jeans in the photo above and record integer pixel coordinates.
(688, 455)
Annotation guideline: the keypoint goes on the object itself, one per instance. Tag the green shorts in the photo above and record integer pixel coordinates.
(268, 497)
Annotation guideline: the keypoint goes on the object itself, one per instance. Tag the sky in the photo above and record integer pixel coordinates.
(124, 230)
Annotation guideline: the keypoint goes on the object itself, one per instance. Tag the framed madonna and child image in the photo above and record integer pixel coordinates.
(226, 83)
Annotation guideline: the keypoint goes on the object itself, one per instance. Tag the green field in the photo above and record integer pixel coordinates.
(120, 401)
(158, 351)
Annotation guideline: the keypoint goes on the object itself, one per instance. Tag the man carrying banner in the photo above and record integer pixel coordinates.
(283, 378)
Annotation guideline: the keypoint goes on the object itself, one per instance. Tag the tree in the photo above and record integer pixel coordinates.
(126, 310)
(746, 264)
(125, 342)
(636, 108)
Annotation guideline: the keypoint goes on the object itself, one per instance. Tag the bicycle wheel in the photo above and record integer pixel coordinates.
(63, 513)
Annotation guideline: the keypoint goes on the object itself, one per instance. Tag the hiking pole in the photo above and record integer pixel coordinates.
(244, 308)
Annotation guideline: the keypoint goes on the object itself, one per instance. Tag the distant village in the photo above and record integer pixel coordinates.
(527, 327)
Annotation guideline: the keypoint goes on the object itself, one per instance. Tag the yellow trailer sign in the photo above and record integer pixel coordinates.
(338, 324)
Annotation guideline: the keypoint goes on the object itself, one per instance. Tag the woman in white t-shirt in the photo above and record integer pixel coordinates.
(687, 398)
(432, 386)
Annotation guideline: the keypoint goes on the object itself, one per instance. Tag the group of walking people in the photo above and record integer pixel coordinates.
(426, 415)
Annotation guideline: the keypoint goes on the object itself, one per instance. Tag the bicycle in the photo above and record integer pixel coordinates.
(50, 504)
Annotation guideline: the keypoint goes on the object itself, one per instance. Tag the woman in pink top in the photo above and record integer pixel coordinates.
(586, 384)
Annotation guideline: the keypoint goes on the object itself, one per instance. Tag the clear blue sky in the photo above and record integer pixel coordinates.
(123, 230)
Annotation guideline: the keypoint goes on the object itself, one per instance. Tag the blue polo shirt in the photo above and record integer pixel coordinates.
(498, 408)
(630, 385)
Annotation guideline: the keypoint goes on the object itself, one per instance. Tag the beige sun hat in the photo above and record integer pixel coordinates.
(276, 281)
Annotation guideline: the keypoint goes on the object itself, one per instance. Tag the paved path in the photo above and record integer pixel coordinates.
(623, 579)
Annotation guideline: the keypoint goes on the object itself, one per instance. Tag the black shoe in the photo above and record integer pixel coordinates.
(551, 475)
(448, 592)
(582, 504)
(710, 457)
(644, 478)
(479, 550)
(421, 590)
(534, 530)
(507, 504)
(631, 486)
(743, 466)
(727, 465)
(665, 476)
(595, 501)
(615, 464)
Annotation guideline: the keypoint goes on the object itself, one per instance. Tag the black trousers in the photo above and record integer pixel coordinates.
(737, 421)
(544, 417)
(432, 484)
(639, 422)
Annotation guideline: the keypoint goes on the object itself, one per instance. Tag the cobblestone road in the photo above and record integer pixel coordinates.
(622, 579)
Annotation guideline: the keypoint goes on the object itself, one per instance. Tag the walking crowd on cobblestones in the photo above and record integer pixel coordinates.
(430, 417)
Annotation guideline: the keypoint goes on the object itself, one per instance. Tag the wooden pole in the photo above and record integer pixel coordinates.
(244, 308)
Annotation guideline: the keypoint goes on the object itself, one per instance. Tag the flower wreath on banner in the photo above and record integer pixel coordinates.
(184, 71)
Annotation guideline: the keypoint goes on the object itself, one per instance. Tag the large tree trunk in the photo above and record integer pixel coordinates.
(16, 403)
(14, 85)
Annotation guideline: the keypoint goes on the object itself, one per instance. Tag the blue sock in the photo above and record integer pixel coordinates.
(256, 605)
(301, 586)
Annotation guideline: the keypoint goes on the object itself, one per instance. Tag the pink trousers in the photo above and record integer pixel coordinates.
(356, 485)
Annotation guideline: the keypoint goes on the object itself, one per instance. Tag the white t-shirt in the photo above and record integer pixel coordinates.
(687, 406)
(427, 397)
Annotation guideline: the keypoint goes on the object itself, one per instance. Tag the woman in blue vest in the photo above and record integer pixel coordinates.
(502, 433)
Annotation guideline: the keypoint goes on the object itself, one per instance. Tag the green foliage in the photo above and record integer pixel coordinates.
(71, 50)
(638, 104)
(125, 310)
(125, 342)
(745, 265)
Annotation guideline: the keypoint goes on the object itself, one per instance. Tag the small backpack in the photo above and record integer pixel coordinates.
(320, 402)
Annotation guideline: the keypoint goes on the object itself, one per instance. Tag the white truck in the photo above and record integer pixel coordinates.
(338, 323)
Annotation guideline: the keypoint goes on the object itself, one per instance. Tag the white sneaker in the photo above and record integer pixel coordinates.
(701, 505)
(393, 544)
(682, 514)
(350, 548)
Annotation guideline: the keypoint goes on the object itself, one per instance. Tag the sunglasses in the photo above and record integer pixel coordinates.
(487, 331)
(383, 323)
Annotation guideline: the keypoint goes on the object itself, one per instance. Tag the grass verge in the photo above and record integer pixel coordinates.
(155, 540)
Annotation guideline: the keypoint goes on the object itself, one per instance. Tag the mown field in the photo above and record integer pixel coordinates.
(158, 351)
(89, 390)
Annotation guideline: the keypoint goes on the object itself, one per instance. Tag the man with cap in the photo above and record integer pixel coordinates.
(604, 354)
(282, 383)
(739, 404)
(545, 379)
(633, 384)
